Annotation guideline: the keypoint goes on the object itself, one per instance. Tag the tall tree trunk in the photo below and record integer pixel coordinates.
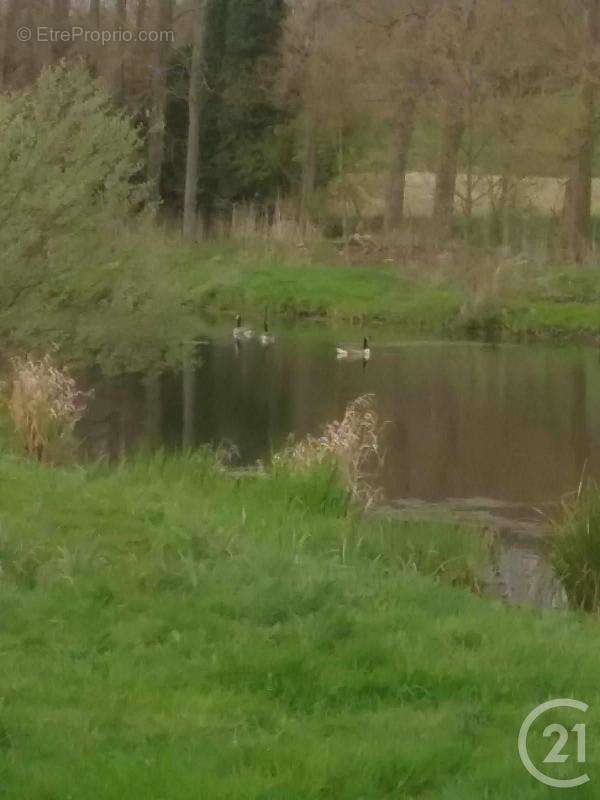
(445, 179)
(120, 53)
(309, 164)
(189, 404)
(156, 132)
(60, 22)
(140, 14)
(190, 208)
(309, 161)
(8, 42)
(153, 416)
(405, 124)
(94, 14)
(578, 188)
(92, 48)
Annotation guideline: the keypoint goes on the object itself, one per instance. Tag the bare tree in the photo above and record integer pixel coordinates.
(322, 80)
(140, 14)
(445, 179)
(406, 26)
(120, 52)
(578, 188)
(94, 14)
(61, 10)
(454, 53)
(401, 140)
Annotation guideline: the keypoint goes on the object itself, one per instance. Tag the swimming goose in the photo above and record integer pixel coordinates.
(344, 351)
(241, 333)
(266, 337)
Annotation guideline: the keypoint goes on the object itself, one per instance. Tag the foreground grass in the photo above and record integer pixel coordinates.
(169, 631)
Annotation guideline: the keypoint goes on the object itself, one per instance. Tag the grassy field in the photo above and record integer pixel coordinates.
(168, 630)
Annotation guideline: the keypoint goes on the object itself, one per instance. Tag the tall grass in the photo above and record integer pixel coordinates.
(576, 550)
(45, 406)
(250, 223)
(352, 447)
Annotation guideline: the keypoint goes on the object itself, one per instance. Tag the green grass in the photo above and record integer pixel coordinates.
(576, 550)
(170, 631)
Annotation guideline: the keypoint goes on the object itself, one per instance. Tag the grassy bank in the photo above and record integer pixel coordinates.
(516, 299)
(154, 291)
(170, 630)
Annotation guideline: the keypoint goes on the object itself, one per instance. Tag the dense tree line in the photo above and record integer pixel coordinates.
(254, 100)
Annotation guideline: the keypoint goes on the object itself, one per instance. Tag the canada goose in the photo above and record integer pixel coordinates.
(266, 337)
(241, 333)
(343, 351)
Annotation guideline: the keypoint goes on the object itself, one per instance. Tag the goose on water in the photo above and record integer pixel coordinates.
(266, 336)
(240, 332)
(346, 351)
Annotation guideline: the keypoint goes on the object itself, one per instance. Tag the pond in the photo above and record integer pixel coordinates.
(499, 430)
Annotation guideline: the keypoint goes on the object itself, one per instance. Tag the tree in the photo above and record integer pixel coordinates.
(8, 40)
(94, 14)
(67, 159)
(578, 188)
(60, 22)
(243, 156)
(193, 139)
(158, 100)
(407, 34)
(322, 80)
(452, 42)
(121, 54)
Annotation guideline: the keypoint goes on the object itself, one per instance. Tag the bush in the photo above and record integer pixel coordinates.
(45, 405)
(70, 162)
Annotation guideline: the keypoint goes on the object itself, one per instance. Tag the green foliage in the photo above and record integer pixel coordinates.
(68, 160)
(244, 155)
(241, 150)
(81, 268)
(576, 551)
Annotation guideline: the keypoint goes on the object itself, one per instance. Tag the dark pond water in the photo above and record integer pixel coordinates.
(509, 428)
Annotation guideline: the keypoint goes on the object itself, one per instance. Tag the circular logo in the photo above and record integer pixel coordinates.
(24, 34)
(555, 755)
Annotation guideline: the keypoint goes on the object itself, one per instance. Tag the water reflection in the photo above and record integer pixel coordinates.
(516, 423)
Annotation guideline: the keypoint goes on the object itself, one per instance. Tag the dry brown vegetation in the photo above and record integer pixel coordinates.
(353, 445)
(45, 406)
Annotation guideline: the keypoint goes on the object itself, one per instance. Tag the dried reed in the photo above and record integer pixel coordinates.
(45, 405)
(352, 445)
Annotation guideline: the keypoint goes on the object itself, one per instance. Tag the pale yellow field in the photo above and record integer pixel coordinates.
(365, 193)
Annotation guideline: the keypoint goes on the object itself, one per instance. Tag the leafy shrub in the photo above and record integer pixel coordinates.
(70, 162)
